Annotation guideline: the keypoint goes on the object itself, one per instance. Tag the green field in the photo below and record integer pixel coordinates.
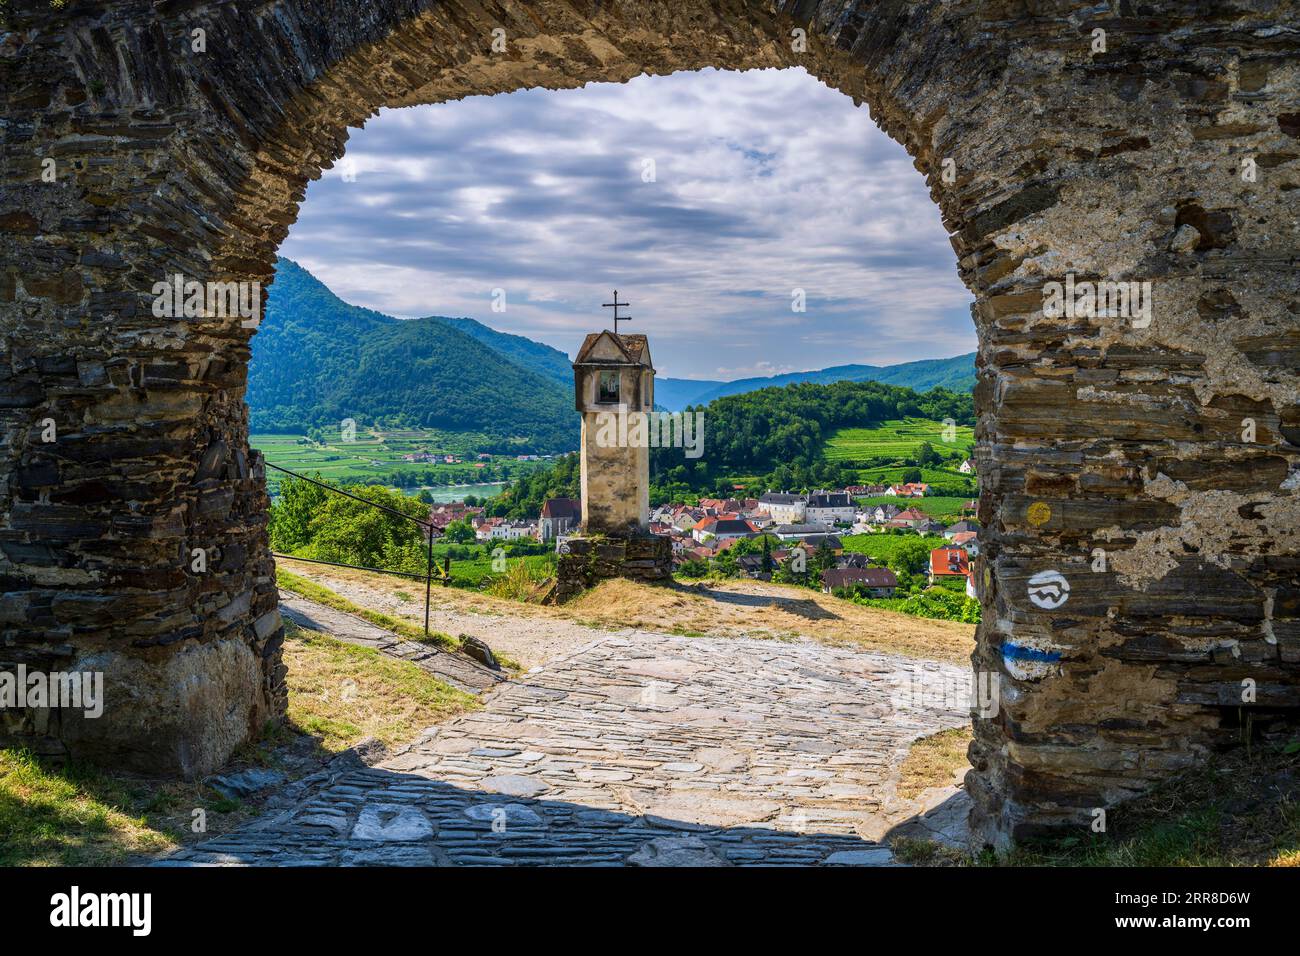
(938, 507)
(884, 548)
(896, 439)
(888, 448)
(376, 457)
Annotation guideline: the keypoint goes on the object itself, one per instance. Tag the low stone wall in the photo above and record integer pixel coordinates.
(585, 562)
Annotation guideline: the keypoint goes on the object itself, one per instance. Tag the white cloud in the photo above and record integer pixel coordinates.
(766, 181)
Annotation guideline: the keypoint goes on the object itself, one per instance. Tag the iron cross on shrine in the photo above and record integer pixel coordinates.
(615, 305)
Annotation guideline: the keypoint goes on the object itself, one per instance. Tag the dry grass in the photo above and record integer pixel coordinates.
(522, 582)
(340, 693)
(933, 762)
(760, 609)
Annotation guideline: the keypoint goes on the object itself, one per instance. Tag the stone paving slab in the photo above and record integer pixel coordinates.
(639, 749)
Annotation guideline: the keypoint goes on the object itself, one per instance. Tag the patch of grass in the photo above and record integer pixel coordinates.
(884, 548)
(73, 816)
(933, 761)
(522, 581)
(323, 595)
(341, 693)
(681, 631)
(926, 852)
(940, 507)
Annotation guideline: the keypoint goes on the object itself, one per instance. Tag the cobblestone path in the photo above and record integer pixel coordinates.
(640, 748)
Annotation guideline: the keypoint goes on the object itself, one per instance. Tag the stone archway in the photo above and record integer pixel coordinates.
(1172, 447)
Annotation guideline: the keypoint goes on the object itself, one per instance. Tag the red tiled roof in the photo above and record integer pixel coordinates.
(947, 562)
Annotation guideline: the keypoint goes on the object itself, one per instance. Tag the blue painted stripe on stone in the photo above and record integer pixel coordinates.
(1020, 652)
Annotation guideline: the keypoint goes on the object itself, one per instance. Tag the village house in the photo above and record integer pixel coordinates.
(559, 516)
(815, 542)
(685, 519)
(717, 506)
(722, 528)
(752, 565)
(967, 467)
(909, 518)
(882, 513)
(916, 489)
(865, 491)
(441, 515)
(960, 527)
(948, 563)
(782, 507)
(963, 539)
(879, 582)
(827, 507)
(513, 530)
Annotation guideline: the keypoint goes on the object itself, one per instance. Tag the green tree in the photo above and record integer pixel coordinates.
(693, 568)
(926, 456)
(350, 532)
(291, 514)
(910, 557)
(459, 532)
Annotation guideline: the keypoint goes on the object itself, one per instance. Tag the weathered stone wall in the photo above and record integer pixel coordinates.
(1094, 433)
(615, 482)
(583, 562)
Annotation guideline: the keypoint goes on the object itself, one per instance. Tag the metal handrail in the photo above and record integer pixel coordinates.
(427, 525)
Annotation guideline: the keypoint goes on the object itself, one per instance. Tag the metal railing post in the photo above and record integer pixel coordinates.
(428, 581)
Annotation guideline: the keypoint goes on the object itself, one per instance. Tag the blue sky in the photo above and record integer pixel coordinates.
(763, 182)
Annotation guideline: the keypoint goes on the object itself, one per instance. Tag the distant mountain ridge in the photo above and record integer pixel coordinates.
(956, 374)
(318, 360)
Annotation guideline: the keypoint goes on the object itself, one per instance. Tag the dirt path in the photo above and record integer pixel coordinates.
(735, 609)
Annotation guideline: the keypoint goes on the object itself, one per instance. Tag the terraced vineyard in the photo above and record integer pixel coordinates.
(895, 439)
(888, 448)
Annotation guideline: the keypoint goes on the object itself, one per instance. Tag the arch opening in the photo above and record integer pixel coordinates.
(1167, 441)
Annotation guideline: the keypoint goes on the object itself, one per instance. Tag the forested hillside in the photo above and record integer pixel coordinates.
(318, 360)
(956, 374)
